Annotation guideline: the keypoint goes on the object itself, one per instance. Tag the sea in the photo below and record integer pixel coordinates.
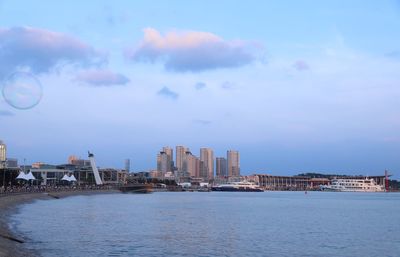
(213, 224)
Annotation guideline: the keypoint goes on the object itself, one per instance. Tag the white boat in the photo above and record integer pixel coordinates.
(243, 186)
(353, 185)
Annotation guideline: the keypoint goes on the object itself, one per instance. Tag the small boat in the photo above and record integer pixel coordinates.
(353, 185)
(136, 188)
(238, 187)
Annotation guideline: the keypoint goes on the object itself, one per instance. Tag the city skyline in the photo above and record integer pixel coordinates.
(293, 86)
(192, 165)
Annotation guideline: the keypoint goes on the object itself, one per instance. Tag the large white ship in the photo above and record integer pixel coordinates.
(353, 185)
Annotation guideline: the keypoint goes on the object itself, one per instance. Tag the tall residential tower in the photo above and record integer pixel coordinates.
(207, 163)
(221, 170)
(3, 152)
(233, 163)
(165, 161)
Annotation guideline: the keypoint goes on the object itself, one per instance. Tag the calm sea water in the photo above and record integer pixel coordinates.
(214, 224)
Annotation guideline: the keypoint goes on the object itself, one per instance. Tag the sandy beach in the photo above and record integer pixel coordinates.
(11, 244)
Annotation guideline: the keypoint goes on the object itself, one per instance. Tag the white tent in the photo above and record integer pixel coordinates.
(30, 176)
(72, 178)
(23, 176)
(69, 178)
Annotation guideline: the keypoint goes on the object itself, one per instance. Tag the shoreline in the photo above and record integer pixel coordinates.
(11, 244)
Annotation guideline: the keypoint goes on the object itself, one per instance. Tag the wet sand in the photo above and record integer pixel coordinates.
(11, 244)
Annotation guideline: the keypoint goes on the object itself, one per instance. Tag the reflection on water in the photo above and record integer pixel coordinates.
(217, 223)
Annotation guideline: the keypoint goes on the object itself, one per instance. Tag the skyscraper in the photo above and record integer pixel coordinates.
(170, 158)
(233, 163)
(127, 165)
(221, 170)
(180, 157)
(3, 152)
(191, 165)
(165, 161)
(207, 166)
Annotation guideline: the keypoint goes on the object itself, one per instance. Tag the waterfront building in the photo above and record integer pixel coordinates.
(233, 160)
(207, 163)
(72, 158)
(84, 175)
(77, 161)
(270, 182)
(221, 167)
(38, 165)
(11, 163)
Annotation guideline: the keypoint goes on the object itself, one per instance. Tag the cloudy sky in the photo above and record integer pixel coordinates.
(293, 85)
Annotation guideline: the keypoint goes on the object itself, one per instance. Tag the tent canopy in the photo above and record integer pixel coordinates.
(22, 175)
(69, 178)
(30, 176)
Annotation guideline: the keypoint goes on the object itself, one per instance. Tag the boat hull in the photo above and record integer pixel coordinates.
(137, 188)
(233, 189)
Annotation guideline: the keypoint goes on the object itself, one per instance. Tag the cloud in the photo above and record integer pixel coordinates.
(40, 50)
(301, 65)
(228, 85)
(102, 78)
(193, 51)
(393, 54)
(168, 93)
(203, 122)
(6, 113)
(200, 85)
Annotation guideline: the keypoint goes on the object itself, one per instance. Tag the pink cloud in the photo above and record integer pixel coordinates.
(301, 65)
(193, 50)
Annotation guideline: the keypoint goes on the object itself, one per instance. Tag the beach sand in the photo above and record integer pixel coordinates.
(9, 240)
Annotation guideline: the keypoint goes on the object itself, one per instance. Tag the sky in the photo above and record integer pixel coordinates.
(294, 86)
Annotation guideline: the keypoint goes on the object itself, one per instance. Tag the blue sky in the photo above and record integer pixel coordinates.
(293, 85)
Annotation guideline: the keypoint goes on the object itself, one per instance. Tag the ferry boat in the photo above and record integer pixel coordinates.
(238, 187)
(353, 185)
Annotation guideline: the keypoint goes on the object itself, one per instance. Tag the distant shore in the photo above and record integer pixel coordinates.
(11, 244)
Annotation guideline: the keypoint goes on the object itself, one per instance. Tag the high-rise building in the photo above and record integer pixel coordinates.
(3, 151)
(207, 163)
(159, 162)
(3, 154)
(165, 161)
(170, 158)
(233, 163)
(127, 165)
(221, 170)
(191, 165)
(180, 157)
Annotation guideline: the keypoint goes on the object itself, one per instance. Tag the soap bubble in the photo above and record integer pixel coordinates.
(22, 90)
